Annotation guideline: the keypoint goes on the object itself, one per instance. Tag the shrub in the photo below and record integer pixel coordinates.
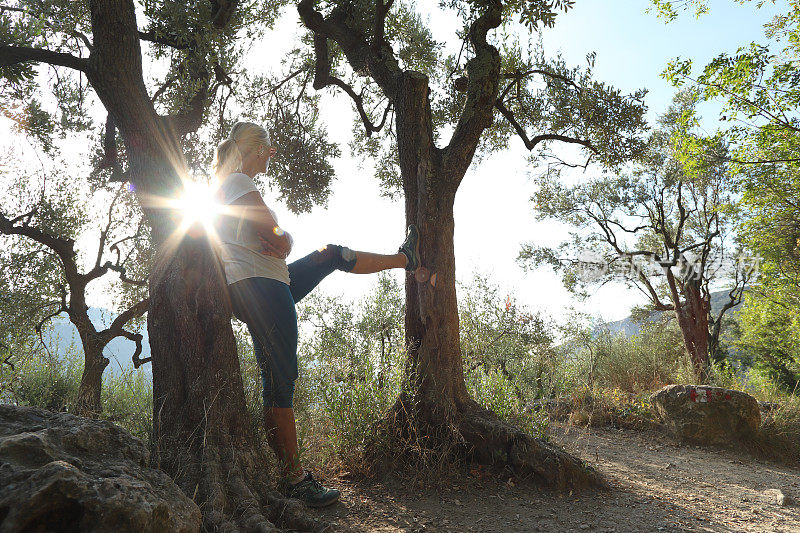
(128, 401)
(780, 430)
(646, 361)
(353, 355)
(500, 336)
(496, 392)
(43, 380)
(351, 358)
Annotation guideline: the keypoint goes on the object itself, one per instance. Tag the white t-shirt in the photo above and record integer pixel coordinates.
(240, 247)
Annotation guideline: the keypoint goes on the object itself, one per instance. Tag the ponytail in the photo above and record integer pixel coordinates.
(244, 138)
(228, 159)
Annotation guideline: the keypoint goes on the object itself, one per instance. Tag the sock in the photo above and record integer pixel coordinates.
(297, 479)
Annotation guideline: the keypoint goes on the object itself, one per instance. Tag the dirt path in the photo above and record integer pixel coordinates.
(657, 486)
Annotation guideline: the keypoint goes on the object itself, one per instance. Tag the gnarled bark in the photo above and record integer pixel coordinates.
(438, 412)
(201, 426)
(202, 435)
(692, 315)
(89, 401)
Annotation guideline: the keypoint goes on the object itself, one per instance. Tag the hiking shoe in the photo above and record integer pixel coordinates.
(312, 493)
(410, 248)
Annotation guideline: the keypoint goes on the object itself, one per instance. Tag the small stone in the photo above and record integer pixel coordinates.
(584, 526)
(775, 496)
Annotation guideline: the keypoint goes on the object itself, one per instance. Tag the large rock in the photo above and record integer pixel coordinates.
(707, 415)
(60, 472)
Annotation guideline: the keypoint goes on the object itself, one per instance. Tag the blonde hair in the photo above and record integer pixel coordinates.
(244, 138)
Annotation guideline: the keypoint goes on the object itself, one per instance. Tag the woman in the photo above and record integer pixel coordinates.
(264, 289)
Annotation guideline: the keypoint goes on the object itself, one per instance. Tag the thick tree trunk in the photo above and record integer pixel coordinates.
(201, 426)
(436, 410)
(89, 401)
(432, 327)
(692, 315)
(202, 435)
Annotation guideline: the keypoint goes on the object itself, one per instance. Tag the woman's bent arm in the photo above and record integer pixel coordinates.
(255, 212)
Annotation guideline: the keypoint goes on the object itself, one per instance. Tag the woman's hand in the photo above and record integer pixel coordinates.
(268, 248)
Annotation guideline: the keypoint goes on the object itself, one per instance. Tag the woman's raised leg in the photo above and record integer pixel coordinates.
(369, 263)
(308, 272)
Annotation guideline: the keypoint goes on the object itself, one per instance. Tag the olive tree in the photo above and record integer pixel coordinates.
(44, 274)
(158, 70)
(426, 117)
(664, 228)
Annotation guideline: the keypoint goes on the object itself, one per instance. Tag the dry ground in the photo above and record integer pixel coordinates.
(657, 485)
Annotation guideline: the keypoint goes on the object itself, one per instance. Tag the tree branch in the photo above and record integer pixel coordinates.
(530, 143)
(171, 40)
(359, 102)
(765, 161)
(223, 11)
(110, 151)
(13, 55)
(483, 74)
(192, 118)
(135, 311)
(518, 76)
(25, 218)
(101, 247)
(323, 78)
(137, 338)
(381, 63)
(123, 276)
(38, 327)
(64, 248)
(381, 10)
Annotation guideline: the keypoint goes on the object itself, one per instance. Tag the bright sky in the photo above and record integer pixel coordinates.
(493, 212)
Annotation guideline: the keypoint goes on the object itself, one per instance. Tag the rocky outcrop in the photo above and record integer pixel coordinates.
(707, 415)
(60, 472)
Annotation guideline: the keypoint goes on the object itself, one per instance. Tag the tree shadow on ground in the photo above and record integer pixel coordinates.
(657, 485)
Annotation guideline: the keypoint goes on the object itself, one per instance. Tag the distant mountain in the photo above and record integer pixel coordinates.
(629, 327)
(61, 337)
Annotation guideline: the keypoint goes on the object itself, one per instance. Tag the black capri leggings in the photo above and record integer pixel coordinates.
(267, 307)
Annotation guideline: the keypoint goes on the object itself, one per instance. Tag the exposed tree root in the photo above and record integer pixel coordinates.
(231, 485)
(477, 435)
